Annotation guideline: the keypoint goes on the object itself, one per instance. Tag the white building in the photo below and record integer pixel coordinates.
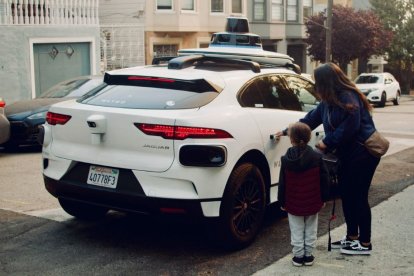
(44, 42)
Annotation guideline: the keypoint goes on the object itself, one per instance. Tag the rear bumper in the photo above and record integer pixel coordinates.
(122, 201)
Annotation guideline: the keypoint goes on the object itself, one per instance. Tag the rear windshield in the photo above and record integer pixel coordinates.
(141, 92)
(368, 79)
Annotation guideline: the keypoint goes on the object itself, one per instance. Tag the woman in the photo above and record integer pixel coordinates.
(345, 114)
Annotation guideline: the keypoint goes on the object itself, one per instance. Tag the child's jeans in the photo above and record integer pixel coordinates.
(303, 234)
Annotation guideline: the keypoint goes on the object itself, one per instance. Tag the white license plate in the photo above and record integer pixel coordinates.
(102, 176)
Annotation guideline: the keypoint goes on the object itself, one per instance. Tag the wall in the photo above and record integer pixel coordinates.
(121, 12)
(15, 66)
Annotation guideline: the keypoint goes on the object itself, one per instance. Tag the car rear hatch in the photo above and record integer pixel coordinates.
(128, 123)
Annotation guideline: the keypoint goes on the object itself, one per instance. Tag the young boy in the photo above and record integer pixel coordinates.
(302, 192)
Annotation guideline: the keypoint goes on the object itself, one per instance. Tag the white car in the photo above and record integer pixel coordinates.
(194, 137)
(379, 88)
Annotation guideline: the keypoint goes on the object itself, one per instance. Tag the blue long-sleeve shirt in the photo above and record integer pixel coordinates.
(343, 127)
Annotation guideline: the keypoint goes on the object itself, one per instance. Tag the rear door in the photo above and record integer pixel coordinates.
(273, 104)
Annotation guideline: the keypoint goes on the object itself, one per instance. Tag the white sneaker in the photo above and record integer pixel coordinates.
(344, 242)
(357, 249)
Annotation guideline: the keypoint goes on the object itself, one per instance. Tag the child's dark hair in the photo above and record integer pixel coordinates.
(300, 133)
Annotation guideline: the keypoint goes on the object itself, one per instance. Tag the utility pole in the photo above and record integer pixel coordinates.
(328, 31)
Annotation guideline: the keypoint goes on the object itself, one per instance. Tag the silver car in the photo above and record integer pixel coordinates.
(4, 124)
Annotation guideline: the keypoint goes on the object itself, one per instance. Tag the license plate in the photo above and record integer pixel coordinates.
(102, 176)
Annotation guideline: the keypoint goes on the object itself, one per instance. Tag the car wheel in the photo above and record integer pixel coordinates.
(396, 101)
(82, 210)
(383, 100)
(243, 206)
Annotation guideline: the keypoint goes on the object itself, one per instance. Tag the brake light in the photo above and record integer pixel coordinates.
(182, 132)
(139, 78)
(2, 103)
(57, 119)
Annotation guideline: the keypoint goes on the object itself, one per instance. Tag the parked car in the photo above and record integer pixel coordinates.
(26, 116)
(195, 137)
(379, 88)
(4, 124)
(194, 141)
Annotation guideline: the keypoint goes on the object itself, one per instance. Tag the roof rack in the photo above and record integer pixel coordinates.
(182, 62)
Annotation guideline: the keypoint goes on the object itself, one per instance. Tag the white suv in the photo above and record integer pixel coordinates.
(192, 137)
(379, 88)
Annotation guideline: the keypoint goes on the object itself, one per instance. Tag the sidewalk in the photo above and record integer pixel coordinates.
(392, 240)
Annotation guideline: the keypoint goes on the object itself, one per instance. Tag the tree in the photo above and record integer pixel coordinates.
(355, 34)
(397, 16)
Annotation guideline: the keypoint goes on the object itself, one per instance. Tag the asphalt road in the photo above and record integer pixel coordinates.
(37, 238)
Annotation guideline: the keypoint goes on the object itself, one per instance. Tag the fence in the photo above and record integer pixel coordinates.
(49, 12)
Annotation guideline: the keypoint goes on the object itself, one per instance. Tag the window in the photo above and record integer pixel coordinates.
(250, 96)
(304, 91)
(164, 5)
(259, 10)
(236, 6)
(277, 10)
(281, 96)
(307, 8)
(150, 94)
(165, 50)
(269, 92)
(187, 5)
(292, 10)
(217, 6)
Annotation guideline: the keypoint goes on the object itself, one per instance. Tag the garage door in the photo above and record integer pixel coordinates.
(56, 62)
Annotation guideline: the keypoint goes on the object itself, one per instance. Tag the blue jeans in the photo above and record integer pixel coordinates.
(303, 234)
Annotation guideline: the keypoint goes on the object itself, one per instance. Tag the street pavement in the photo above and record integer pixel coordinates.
(392, 254)
(392, 238)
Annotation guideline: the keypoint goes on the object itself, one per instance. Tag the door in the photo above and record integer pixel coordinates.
(274, 105)
(56, 62)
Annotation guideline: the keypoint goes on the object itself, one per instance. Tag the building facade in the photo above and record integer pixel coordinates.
(122, 33)
(174, 24)
(44, 42)
(280, 23)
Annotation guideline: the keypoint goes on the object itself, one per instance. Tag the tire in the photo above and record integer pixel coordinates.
(396, 101)
(383, 100)
(82, 210)
(243, 207)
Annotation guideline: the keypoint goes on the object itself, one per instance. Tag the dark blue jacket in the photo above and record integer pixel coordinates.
(343, 128)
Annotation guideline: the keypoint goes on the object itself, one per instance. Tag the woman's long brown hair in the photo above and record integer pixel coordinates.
(329, 80)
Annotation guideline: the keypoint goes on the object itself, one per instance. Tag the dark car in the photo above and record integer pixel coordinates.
(26, 116)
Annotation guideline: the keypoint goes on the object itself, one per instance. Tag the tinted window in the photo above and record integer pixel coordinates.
(368, 79)
(304, 91)
(144, 97)
(250, 96)
(269, 92)
(286, 99)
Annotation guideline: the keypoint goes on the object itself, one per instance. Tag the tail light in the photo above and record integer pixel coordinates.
(182, 132)
(140, 78)
(2, 103)
(57, 119)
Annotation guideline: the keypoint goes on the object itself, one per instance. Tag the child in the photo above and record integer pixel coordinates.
(302, 192)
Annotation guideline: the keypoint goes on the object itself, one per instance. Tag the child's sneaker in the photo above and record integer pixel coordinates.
(297, 261)
(357, 249)
(344, 242)
(308, 260)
